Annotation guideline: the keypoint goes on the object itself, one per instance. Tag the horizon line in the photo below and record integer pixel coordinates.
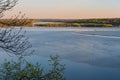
(70, 18)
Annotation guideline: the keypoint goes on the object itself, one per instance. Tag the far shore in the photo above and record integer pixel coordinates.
(113, 22)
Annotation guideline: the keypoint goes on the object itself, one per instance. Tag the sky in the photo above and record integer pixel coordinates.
(67, 9)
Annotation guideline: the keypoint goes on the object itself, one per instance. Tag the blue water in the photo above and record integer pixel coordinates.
(89, 53)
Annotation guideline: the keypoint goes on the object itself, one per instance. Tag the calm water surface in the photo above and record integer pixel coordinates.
(89, 53)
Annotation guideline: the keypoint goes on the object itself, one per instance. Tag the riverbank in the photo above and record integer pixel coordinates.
(110, 22)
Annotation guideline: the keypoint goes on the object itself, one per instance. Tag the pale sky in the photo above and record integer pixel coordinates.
(67, 9)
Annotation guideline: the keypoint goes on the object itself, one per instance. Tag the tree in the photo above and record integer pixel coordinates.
(17, 43)
(6, 5)
(10, 41)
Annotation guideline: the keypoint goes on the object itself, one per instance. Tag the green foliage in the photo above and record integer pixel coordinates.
(56, 73)
(24, 70)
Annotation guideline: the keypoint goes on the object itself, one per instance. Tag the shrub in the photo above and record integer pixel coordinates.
(24, 70)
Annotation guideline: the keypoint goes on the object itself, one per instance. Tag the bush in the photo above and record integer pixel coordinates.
(24, 70)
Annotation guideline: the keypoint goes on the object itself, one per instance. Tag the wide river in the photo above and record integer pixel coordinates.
(89, 53)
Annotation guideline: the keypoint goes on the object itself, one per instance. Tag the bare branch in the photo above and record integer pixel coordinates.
(14, 42)
(11, 40)
(6, 5)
